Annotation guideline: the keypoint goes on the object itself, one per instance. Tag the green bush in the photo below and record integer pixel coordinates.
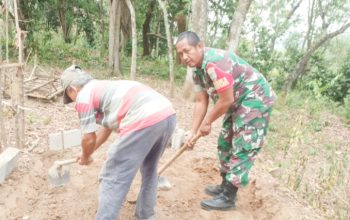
(324, 81)
(54, 51)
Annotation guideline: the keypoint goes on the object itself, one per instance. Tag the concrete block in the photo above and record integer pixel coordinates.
(8, 160)
(72, 138)
(56, 141)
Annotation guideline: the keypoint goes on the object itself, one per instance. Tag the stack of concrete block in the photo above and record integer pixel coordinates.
(65, 139)
(8, 161)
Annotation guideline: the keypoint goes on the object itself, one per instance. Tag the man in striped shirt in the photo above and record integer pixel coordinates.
(145, 121)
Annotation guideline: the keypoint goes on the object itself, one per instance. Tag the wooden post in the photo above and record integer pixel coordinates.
(19, 104)
(3, 141)
(18, 81)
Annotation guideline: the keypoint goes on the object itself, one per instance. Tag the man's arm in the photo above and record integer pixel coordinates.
(225, 101)
(90, 142)
(88, 145)
(102, 135)
(199, 111)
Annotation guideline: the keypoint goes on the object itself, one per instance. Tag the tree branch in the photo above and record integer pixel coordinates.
(157, 35)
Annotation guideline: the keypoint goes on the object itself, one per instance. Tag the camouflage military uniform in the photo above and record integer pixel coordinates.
(245, 123)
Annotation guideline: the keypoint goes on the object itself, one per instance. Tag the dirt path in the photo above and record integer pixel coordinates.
(27, 195)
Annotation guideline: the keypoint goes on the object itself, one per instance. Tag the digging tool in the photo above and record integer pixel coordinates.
(59, 173)
(163, 183)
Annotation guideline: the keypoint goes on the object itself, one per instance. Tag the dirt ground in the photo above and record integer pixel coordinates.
(26, 194)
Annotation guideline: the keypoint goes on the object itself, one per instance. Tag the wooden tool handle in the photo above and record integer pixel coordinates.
(65, 162)
(178, 153)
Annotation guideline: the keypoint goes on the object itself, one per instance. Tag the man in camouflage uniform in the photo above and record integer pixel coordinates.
(243, 96)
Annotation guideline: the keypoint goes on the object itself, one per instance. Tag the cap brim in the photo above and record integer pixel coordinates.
(66, 99)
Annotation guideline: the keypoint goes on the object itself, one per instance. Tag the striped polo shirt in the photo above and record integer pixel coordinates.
(123, 106)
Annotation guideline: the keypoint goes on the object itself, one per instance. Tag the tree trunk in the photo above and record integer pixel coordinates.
(158, 32)
(181, 27)
(292, 80)
(199, 18)
(116, 48)
(146, 28)
(65, 25)
(112, 33)
(134, 40)
(7, 32)
(237, 22)
(170, 46)
(310, 22)
(199, 23)
(102, 26)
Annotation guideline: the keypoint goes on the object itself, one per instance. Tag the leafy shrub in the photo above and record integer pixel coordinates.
(324, 81)
(54, 51)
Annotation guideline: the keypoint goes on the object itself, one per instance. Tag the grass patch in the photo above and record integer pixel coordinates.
(310, 146)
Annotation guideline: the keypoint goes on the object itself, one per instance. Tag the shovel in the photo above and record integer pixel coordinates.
(59, 173)
(163, 183)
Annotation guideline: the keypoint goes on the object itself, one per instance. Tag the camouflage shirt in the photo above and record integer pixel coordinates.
(221, 69)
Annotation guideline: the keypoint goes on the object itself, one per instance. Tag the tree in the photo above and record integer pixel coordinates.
(333, 15)
(170, 46)
(281, 19)
(114, 37)
(292, 80)
(134, 40)
(64, 12)
(237, 23)
(146, 28)
(199, 24)
(199, 18)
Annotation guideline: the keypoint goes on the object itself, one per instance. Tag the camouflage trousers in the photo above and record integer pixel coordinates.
(239, 147)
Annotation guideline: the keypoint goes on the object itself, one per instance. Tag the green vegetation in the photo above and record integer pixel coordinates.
(309, 147)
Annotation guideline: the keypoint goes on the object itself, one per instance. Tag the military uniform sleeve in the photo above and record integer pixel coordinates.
(197, 87)
(222, 80)
(87, 117)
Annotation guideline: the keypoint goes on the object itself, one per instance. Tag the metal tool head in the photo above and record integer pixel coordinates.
(163, 183)
(59, 175)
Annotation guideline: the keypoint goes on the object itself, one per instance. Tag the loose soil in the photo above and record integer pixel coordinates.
(26, 194)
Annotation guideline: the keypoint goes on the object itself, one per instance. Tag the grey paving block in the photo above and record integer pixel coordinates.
(72, 138)
(55, 141)
(8, 160)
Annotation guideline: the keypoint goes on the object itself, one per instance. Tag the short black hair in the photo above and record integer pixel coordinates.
(192, 38)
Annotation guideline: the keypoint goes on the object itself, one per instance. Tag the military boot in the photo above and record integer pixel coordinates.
(224, 201)
(215, 190)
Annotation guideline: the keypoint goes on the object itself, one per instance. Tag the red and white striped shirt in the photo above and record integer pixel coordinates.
(123, 106)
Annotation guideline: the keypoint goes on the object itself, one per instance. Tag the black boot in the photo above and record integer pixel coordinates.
(224, 201)
(215, 190)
